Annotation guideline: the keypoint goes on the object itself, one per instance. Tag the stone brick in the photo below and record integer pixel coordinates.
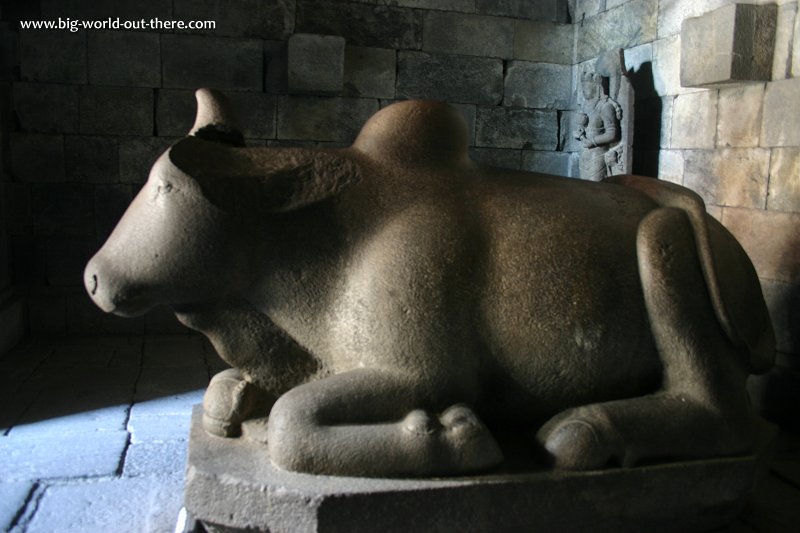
(65, 209)
(732, 43)
(537, 85)
(156, 428)
(323, 119)
(116, 110)
(176, 111)
(511, 127)
(556, 163)
(784, 185)
(729, 177)
(271, 19)
(783, 302)
(665, 135)
(460, 33)
(58, 56)
(141, 66)
(91, 159)
(670, 166)
(778, 127)
(667, 67)
(672, 14)
(37, 157)
(566, 135)
(362, 25)
(463, 79)
(796, 49)
(771, 239)
(46, 107)
(782, 56)
(110, 202)
(156, 458)
(544, 42)
(584, 9)
(624, 27)
(694, 120)
(137, 155)
(464, 6)
(552, 10)
(103, 9)
(316, 63)
(369, 72)
(275, 67)
(192, 61)
(497, 157)
(65, 260)
(13, 496)
(739, 115)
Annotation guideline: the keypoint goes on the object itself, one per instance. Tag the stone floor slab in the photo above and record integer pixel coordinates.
(12, 500)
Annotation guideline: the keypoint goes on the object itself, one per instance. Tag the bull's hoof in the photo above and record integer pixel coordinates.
(471, 444)
(579, 440)
(229, 400)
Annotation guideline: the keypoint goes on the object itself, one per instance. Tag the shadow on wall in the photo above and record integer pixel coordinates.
(646, 121)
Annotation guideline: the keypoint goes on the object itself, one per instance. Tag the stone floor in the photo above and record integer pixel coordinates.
(93, 435)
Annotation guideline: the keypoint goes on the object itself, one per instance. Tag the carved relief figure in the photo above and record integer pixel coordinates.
(388, 308)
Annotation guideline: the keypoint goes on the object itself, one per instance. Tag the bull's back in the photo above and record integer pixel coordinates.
(562, 310)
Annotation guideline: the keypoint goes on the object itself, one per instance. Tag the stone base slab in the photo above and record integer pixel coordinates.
(232, 486)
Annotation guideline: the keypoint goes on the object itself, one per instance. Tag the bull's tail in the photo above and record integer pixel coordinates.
(732, 281)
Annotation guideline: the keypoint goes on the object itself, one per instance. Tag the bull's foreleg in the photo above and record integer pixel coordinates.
(702, 408)
(230, 400)
(365, 423)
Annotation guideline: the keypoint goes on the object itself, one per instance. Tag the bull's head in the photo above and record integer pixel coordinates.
(188, 236)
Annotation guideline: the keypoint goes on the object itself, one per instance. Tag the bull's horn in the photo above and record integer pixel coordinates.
(215, 119)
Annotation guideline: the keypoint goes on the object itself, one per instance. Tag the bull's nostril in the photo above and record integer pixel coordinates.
(94, 284)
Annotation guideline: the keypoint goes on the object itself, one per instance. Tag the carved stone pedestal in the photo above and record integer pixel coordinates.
(231, 486)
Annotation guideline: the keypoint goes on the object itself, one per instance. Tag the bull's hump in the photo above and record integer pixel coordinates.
(415, 132)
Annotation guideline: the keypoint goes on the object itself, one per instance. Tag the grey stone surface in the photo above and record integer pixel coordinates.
(784, 32)
(556, 163)
(53, 55)
(611, 29)
(369, 72)
(272, 19)
(544, 42)
(116, 110)
(322, 118)
(63, 209)
(137, 155)
(796, 49)
(460, 33)
(175, 109)
(729, 177)
(166, 458)
(779, 128)
(37, 157)
(462, 79)
(192, 61)
(380, 26)
(315, 63)
(147, 426)
(510, 127)
(549, 10)
(91, 158)
(229, 484)
(739, 115)
(141, 51)
(13, 496)
(694, 120)
(497, 157)
(732, 43)
(784, 187)
(537, 85)
(102, 9)
(46, 107)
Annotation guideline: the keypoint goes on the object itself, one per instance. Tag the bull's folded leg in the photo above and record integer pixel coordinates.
(702, 408)
(230, 400)
(364, 423)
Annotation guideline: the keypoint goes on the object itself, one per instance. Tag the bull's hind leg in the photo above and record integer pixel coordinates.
(367, 422)
(702, 408)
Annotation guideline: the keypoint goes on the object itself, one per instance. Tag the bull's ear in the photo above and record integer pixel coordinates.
(260, 180)
(215, 120)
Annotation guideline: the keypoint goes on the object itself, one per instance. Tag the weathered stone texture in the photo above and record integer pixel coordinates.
(510, 127)
(670, 166)
(667, 67)
(192, 61)
(58, 56)
(462, 79)
(37, 157)
(784, 180)
(13, 496)
(739, 115)
(796, 48)
(369, 72)
(141, 66)
(779, 127)
(771, 239)
(268, 19)
(694, 120)
(543, 42)
(137, 155)
(46, 107)
(63, 209)
(584, 9)
(497, 157)
(459, 33)
(732, 43)
(537, 85)
(316, 63)
(362, 25)
(552, 10)
(665, 136)
(627, 26)
(323, 119)
(116, 110)
(102, 9)
(730, 177)
(556, 163)
(464, 6)
(91, 158)
(176, 110)
(672, 13)
(782, 57)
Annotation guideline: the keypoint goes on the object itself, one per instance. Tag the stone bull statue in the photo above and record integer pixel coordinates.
(393, 306)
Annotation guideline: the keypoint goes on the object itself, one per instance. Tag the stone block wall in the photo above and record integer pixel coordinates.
(90, 110)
